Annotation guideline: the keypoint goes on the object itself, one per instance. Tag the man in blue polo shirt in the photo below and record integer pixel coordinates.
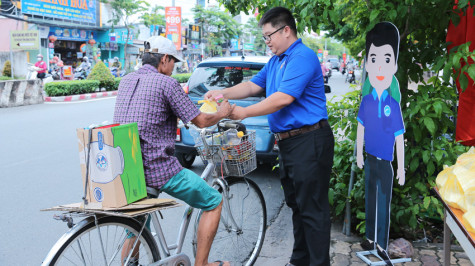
(297, 114)
(380, 123)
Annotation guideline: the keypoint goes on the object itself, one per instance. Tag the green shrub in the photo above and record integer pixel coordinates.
(7, 69)
(116, 84)
(5, 78)
(182, 78)
(72, 87)
(101, 73)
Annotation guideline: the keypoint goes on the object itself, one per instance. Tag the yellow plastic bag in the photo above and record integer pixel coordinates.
(442, 176)
(208, 106)
(452, 193)
(468, 220)
(465, 171)
(469, 196)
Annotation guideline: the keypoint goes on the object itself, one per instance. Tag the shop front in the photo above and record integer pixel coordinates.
(71, 45)
(112, 43)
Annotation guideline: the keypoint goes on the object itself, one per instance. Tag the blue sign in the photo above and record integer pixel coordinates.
(72, 34)
(75, 10)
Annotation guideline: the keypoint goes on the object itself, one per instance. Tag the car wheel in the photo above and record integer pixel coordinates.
(186, 159)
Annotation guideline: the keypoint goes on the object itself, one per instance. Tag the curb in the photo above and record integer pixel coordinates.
(80, 97)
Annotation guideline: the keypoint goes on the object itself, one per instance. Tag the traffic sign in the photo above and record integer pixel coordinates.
(24, 40)
(248, 46)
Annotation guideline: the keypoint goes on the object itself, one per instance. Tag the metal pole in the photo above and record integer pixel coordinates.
(347, 222)
(11, 57)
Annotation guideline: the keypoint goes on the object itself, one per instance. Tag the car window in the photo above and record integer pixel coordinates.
(205, 79)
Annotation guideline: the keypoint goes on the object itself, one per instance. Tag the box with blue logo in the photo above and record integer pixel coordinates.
(114, 165)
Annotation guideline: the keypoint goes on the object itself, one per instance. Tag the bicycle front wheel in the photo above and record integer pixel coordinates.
(88, 244)
(240, 245)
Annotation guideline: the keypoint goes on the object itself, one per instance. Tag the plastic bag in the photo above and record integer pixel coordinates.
(208, 106)
(452, 192)
(468, 220)
(442, 176)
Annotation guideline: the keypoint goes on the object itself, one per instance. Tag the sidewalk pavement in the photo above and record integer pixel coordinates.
(278, 244)
(72, 98)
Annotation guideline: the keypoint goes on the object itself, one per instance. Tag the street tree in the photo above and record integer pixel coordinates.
(422, 25)
(122, 12)
(218, 28)
(155, 16)
(252, 29)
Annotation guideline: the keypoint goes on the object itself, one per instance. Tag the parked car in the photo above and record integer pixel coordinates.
(219, 73)
(334, 63)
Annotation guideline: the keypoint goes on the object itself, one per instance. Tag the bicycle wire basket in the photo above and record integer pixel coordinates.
(230, 160)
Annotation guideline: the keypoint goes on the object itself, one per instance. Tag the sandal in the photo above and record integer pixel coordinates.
(221, 263)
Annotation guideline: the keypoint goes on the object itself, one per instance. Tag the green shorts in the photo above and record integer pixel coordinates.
(192, 189)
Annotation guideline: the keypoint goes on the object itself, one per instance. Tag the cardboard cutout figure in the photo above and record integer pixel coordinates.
(380, 125)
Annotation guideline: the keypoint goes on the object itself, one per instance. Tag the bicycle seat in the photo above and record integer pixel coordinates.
(152, 192)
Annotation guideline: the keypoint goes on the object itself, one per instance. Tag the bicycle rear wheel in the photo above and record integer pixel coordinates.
(82, 244)
(242, 245)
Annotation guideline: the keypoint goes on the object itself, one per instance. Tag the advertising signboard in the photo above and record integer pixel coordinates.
(173, 23)
(75, 10)
(24, 40)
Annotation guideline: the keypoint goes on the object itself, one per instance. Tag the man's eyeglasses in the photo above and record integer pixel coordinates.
(267, 38)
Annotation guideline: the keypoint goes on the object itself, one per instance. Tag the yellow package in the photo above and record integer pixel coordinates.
(452, 193)
(442, 176)
(208, 106)
(468, 220)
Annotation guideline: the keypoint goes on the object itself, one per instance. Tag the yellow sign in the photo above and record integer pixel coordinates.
(25, 40)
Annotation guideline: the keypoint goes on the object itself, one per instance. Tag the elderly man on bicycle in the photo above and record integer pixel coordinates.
(154, 100)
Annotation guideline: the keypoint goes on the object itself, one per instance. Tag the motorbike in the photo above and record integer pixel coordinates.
(33, 74)
(56, 73)
(116, 73)
(80, 73)
(350, 77)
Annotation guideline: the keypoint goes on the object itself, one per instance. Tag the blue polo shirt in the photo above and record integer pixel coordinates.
(296, 72)
(382, 120)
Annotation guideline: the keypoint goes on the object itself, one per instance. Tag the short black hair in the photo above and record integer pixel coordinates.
(154, 59)
(278, 17)
(383, 33)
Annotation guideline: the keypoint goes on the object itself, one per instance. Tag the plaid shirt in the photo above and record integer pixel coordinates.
(154, 101)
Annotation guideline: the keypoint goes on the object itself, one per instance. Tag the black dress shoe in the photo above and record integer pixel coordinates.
(384, 255)
(367, 245)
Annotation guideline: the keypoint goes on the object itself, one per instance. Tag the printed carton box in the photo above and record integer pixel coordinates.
(116, 175)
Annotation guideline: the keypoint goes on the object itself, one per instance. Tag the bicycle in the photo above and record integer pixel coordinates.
(240, 235)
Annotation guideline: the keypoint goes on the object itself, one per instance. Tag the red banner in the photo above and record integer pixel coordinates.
(173, 30)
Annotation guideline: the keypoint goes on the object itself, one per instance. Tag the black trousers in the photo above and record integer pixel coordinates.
(379, 177)
(305, 165)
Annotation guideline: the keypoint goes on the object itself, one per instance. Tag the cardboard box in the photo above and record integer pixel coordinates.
(116, 175)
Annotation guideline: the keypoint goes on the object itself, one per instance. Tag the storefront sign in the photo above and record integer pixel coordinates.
(72, 34)
(173, 30)
(75, 10)
(24, 40)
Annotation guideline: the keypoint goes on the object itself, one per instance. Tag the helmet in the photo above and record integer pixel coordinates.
(116, 59)
(40, 55)
(85, 59)
(55, 59)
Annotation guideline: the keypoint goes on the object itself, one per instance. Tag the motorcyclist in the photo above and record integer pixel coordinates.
(117, 64)
(41, 66)
(55, 68)
(85, 65)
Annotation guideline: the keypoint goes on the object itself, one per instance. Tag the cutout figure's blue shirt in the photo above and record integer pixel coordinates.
(382, 120)
(296, 72)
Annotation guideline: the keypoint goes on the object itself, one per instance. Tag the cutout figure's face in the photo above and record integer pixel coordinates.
(381, 66)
